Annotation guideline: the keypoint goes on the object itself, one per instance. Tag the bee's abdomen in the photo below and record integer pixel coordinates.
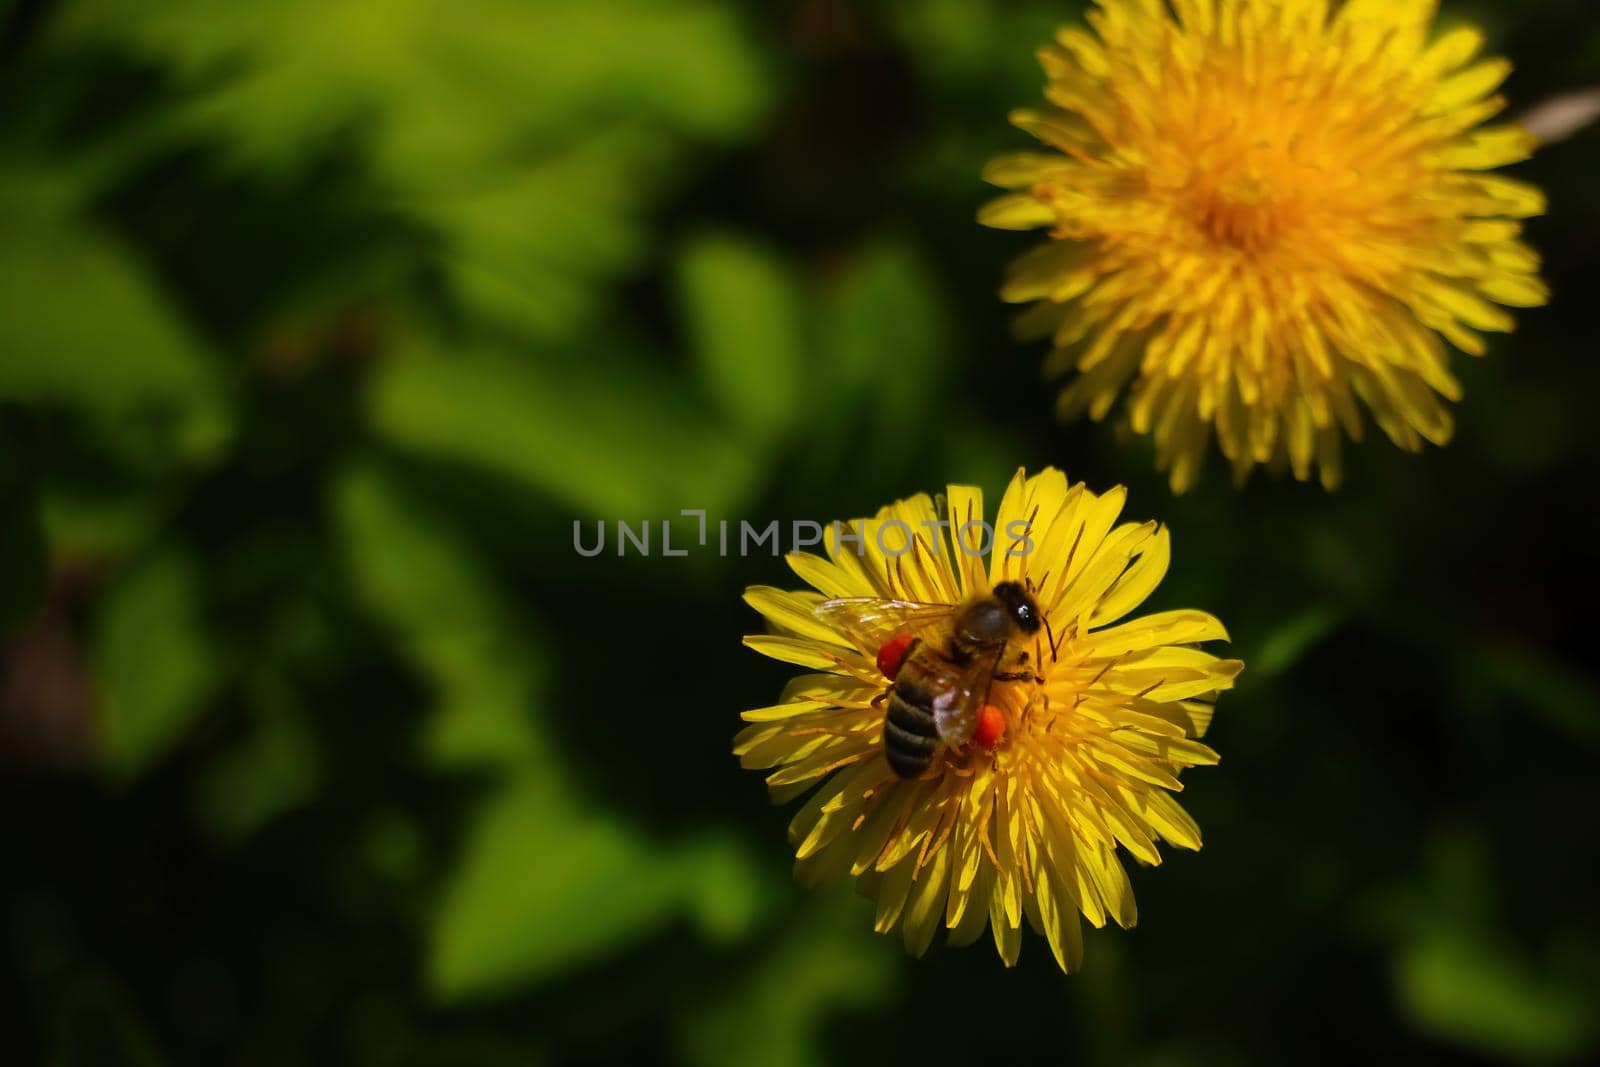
(910, 737)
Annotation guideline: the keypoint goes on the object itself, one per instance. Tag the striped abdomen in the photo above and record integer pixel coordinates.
(910, 737)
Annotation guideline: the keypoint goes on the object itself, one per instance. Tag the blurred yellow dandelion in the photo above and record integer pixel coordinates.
(1267, 210)
(1019, 816)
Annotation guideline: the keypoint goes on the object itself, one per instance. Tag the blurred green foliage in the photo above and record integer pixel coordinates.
(324, 323)
(153, 661)
(1460, 979)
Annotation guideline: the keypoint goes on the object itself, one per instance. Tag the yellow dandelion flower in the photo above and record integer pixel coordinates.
(1077, 754)
(1267, 211)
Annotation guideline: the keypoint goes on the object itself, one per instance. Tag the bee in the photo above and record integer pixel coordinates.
(941, 660)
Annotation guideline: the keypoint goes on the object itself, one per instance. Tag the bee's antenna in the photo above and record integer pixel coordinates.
(1051, 635)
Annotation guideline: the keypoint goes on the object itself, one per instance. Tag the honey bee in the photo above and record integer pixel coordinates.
(941, 660)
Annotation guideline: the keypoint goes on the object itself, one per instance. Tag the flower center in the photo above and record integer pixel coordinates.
(1247, 194)
(1241, 214)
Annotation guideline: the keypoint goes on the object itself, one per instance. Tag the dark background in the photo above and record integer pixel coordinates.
(323, 321)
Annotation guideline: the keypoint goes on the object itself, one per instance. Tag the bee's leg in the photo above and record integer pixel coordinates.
(878, 701)
(1024, 671)
(994, 674)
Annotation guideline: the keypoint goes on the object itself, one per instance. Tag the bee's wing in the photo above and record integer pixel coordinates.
(955, 709)
(869, 622)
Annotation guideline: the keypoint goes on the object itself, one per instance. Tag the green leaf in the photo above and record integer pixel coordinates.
(883, 315)
(612, 439)
(980, 50)
(273, 771)
(545, 883)
(414, 575)
(155, 667)
(85, 327)
(99, 522)
(1460, 979)
(777, 1015)
(746, 318)
(444, 86)
(1292, 640)
(1565, 698)
(543, 888)
(527, 137)
(528, 247)
(884, 352)
(1464, 987)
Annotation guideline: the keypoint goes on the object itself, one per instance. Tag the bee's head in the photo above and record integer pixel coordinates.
(1021, 605)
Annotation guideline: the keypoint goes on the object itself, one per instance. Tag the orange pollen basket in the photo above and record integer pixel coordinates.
(991, 727)
(893, 654)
